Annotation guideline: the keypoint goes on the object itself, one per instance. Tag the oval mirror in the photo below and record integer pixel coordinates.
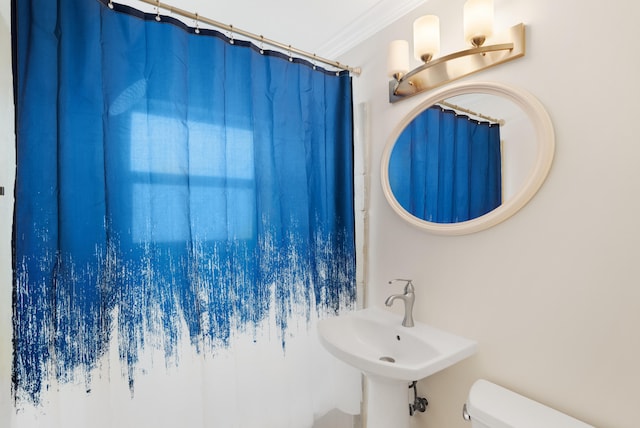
(504, 163)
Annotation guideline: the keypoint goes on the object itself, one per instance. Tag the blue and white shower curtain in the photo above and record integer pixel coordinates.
(184, 215)
(446, 167)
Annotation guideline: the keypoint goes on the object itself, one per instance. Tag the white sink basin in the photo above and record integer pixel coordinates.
(374, 341)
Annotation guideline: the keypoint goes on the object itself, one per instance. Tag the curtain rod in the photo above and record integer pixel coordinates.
(159, 5)
(500, 122)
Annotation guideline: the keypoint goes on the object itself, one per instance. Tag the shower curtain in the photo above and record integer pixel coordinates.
(446, 167)
(184, 216)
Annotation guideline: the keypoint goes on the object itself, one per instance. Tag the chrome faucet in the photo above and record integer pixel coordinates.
(409, 296)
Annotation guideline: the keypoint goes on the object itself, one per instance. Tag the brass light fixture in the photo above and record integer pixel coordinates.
(487, 50)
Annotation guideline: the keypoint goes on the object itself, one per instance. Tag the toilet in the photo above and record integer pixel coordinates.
(492, 406)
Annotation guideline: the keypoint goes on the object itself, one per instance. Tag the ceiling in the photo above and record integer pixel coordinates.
(327, 28)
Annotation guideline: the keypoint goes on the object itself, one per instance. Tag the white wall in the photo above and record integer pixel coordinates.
(553, 294)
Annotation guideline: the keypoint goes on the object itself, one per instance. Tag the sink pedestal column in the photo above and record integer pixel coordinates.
(387, 402)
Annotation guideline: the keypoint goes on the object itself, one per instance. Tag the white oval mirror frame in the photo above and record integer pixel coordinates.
(545, 138)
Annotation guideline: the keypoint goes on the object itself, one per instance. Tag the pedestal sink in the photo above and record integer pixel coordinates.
(390, 356)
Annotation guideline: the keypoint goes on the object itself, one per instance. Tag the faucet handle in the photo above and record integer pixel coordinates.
(408, 286)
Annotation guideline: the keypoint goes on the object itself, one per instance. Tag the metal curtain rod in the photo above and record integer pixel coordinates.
(262, 39)
(500, 122)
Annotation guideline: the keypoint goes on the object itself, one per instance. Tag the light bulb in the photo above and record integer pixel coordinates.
(426, 37)
(478, 21)
(398, 59)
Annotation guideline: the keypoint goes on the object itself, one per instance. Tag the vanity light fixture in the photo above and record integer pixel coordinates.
(487, 50)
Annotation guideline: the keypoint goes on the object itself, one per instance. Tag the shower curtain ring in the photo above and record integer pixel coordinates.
(110, 4)
(158, 10)
(197, 30)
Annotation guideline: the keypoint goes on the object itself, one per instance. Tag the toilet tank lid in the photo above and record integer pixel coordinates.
(498, 407)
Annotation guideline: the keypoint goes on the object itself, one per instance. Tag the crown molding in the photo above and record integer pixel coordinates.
(376, 18)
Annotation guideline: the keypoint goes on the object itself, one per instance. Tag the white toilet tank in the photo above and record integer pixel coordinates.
(492, 406)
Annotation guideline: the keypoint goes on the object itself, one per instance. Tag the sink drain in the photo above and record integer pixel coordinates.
(388, 359)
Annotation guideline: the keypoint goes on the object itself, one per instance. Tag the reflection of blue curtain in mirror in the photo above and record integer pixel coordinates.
(175, 179)
(446, 167)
